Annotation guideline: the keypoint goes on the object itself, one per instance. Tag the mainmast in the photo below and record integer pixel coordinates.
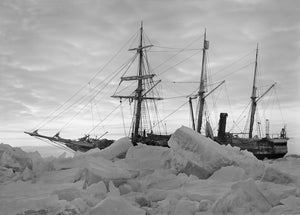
(253, 97)
(201, 92)
(139, 90)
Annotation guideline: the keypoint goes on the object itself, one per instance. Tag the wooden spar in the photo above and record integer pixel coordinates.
(139, 90)
(192, 113)
(253, 97)
(202, 86)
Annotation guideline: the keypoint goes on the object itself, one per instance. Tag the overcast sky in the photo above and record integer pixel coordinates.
(50, 48)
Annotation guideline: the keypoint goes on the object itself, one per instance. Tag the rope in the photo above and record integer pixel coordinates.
(105, 118)
(237, 70)
(44, 122)
(96, 93)
(279, 105)
(91, 106)
(171, 113)
(238, 119)
(57, 145)
(179, 63)
(224, 68)
(176, 53)
(122, 114)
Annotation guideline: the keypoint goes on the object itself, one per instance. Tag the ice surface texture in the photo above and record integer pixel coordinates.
(194, 176)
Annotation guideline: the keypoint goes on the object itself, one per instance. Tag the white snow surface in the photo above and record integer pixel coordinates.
(194, 176)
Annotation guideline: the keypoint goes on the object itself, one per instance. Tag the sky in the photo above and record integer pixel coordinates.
(52, 48)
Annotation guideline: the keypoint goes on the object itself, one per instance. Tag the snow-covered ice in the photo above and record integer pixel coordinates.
(194, 176)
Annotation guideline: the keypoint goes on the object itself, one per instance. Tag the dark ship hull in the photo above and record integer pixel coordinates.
(261, 148)
(270, 148)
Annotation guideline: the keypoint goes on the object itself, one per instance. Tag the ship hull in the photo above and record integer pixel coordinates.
(264, 148)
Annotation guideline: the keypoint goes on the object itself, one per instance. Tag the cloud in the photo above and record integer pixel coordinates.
(49, 49)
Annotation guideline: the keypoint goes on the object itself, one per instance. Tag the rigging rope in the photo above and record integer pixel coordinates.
(91, 106)
(176, 53)
(46, 121)
(81, 100)
(57, 145)
(180, 62)
(105, 118)
(238, 119)
(224, 68)
(279, 105)
(234, 71)
(122, 114)
(171, 113)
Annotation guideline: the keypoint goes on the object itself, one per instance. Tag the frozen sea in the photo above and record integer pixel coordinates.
(194, 176)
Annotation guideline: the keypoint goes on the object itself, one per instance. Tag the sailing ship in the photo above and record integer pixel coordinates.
(145, 93)
(269, 147)
(141, 96)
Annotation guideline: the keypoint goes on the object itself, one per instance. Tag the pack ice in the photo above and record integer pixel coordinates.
(195, 175)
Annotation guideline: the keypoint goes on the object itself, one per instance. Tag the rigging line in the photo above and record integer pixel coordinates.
(115, 55)
(177, 53)
(173, 51)
(226, 67)
(129, 65)
(122, 114)
(88, 103)
(175, 97)
(183, 82)
(43, 123)
(146, 36)
(55, 145)
(91, 106)
(238, 119)
(178, 63)
(47, 120)
(246, 128)
(279, 105)
(228, 100)
(171, 113)
(165, 47)
(124, 88)
(237, 70)
(63, 146)
(82, 98)
(175, 110)
(105, 118)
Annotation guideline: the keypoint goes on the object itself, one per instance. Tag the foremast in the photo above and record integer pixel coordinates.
(140, 95)
(201, 93)
(253, 96)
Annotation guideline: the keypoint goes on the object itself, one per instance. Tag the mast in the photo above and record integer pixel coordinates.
(139, 90)
(253, 97)
(202, 85)
(192, 113)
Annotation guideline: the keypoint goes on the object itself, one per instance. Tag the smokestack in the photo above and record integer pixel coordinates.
(222, 126)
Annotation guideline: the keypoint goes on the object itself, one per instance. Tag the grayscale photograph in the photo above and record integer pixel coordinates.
(148, 107)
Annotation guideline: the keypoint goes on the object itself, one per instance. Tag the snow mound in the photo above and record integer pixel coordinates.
(14, 158)
(187, 207)
(243, 198)
(116, 206)
(117, 149)
(229, 173)
(277, 177)
(192, 153)
(144, 157)
(98, 169)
